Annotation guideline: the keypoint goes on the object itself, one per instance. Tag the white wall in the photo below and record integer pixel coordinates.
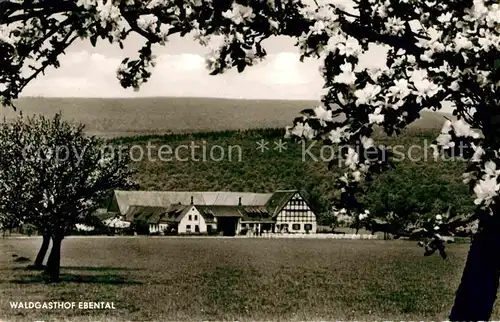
(191, 219)
(296, 214)
(154, 228)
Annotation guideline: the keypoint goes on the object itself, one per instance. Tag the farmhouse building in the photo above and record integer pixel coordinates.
(229, 213)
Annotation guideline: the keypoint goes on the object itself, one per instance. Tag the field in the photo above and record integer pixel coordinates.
(236, 279)
(158, 115)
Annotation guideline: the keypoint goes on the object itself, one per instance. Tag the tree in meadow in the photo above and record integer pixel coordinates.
(54, 176)
(16, 194)
(437, 51)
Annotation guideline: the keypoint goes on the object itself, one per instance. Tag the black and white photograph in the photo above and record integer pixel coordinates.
(249, 160)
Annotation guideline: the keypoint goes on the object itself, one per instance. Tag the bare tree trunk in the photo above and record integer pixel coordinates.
(42, 252)
(477, 292)
(53, 267)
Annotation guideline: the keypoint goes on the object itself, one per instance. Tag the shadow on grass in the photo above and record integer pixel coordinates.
(98, 268)
(74, 268)
(109, 279)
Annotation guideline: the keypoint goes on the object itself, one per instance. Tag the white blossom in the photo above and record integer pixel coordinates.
(395, 25)
(337, 134)
(86, 4)
(478, 153)
(467, 177)
(485, 190)
(303, 130)
(347, 76)
(147, 22)
(239, 13)
(323, 114)
(367, 142)
(445, 141)
(352, 158)
(350, 48)
(317, 28)
(108, 12)
(445, 17)
(490, 168)
(156, 3)
(400, 89)
(376, 117)
(367, 94)
(462, 129)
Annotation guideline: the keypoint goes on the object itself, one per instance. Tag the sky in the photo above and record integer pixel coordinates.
(180, 71)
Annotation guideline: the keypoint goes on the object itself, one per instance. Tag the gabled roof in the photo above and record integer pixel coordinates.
(150, 214)
(279, 199)
(175, 213)
(256, 214)
(122, 200)
(246, 213)
(220, 211)
(171, 206)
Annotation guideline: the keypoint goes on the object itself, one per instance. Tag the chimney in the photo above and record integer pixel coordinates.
(192, 200)
(239, 201)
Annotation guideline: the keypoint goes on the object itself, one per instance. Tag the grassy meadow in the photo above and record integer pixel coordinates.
(180, 279)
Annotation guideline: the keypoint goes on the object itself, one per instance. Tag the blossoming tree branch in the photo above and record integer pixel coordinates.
(437, 51)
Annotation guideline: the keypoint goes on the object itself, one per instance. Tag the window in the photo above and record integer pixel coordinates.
(195, 217)
(188, 228)
(308, 227)
(190, 217)
(296, 226)
(243, 225)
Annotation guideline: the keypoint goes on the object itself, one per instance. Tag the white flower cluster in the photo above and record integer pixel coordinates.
(395, 26)
(151, 4)
(461, 129)
(10, 33)
(86, 4)
(301, 130)
(487, 187)
(347, 76)
(148, 22)
(124, 71)
(239, 14)
(108, 13)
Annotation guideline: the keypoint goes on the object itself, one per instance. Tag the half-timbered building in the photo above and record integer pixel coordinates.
(229, 213)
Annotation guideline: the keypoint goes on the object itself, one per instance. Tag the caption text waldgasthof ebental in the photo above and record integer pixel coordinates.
(59, 305)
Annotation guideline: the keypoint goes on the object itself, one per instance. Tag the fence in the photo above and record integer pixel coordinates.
(313, 236)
